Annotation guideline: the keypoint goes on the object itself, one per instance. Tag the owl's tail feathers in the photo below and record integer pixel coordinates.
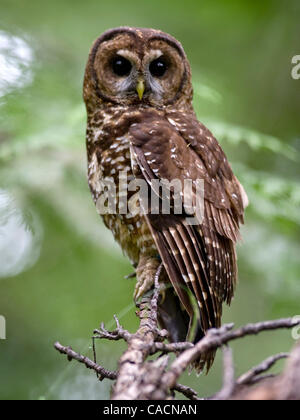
(176, 321)
(206, 359)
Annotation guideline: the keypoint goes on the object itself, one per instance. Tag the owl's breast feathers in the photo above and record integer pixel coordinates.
(108, 150)
(174, 145)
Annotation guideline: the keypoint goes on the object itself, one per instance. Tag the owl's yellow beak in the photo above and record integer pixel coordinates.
(140, 88)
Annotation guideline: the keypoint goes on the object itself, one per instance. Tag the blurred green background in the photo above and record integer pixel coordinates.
(60, 272)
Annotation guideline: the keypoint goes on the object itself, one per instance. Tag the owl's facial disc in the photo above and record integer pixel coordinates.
(151, 77)
(132, 69)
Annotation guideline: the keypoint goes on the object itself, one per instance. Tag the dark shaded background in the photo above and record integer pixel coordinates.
(60, 272)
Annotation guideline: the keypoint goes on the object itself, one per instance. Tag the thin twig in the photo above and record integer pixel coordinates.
(261, 378)
(71, 354)
(228, 375)
(188, 392)
(95, 354)
(118, 334)
(263, 367)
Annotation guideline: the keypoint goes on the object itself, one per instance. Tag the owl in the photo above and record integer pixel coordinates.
(141, 123)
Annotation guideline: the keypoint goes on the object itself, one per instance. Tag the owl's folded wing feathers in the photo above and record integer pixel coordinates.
(202, 257)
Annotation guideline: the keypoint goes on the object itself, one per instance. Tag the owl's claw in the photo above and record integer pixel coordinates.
(145, 277)
(143, 285)
(130, 276)
(141, 289)
(145, 273)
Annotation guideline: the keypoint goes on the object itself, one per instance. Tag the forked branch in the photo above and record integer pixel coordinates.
(137, 377)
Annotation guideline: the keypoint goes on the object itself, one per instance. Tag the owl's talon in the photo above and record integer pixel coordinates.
(143, 286)
(130, 276)
(145, 274)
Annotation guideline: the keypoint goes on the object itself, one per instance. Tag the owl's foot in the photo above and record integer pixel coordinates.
(145, 274)
(130, 276)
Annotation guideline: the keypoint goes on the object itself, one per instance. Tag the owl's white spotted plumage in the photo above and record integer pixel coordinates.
(138, 96)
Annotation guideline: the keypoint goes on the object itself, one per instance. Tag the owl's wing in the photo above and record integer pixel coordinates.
(200, 258)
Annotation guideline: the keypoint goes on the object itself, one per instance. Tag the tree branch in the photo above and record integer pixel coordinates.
(228, 377)
(72, 355)
(253, 374)
(138, 377)
(214, 339)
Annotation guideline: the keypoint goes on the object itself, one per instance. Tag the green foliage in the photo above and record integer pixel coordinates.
(256, 141)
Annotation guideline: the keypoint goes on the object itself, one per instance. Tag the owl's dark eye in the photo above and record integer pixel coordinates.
(121, 66)
(158, 67)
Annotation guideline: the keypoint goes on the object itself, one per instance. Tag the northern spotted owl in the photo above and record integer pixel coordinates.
(140, 120)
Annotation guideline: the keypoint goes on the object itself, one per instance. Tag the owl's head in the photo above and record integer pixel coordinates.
(137, 66)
